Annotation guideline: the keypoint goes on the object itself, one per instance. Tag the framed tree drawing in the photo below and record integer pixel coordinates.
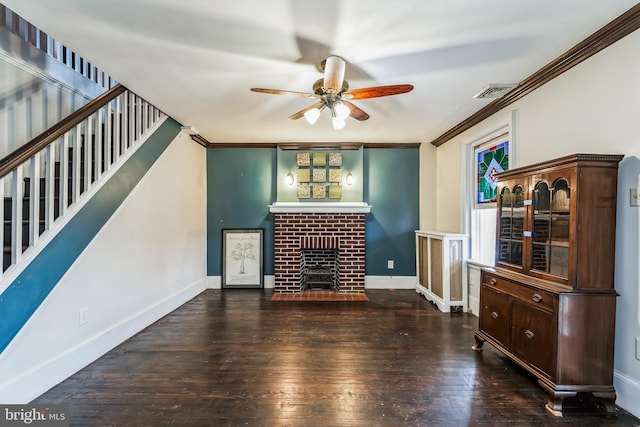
(242, 258)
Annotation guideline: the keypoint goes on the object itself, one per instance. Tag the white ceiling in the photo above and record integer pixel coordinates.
(197, 59)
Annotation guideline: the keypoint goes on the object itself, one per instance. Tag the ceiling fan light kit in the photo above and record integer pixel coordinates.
(332, 92)
(338, 123)
(312, 115)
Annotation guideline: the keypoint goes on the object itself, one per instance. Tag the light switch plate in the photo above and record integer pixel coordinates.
(635, 197)
(638, 348)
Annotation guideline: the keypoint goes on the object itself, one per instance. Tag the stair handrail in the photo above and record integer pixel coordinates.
(24, 152)
(45, 182)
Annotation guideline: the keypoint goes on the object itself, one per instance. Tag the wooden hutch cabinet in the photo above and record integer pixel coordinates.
(549, 304)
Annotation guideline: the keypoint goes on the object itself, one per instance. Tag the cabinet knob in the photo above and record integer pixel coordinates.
(494, 314)
(492, 281)
(529, 334)
(536, 297)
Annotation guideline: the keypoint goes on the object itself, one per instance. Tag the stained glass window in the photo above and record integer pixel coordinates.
(490, 160)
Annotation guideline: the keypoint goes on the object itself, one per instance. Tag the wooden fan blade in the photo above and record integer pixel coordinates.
(300, 114)
(284, 92)
(377, 91)
(333, 74)
(356, 112)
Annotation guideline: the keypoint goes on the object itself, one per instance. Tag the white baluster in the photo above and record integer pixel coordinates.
(34, 198)
(17, 185)
(100, 115)
(49, 188)
(64, 173)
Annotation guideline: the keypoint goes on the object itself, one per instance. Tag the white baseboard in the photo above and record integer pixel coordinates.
(215, 282)
(30, 384)
(269, 282)
(370, 282)
(390, 282)
(474, 306)
(627, 392)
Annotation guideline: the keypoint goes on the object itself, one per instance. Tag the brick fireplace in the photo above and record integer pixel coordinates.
(319, 227)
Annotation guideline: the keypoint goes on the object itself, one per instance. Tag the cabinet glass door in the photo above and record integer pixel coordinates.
(541, 227)
(559, 248)
(550, 239)
(511, 225)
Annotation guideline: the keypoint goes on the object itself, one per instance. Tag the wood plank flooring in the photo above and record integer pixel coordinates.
(237, 358)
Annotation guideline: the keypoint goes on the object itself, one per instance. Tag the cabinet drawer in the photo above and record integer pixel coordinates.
(532, 336)
(528, 294)
(495, 315)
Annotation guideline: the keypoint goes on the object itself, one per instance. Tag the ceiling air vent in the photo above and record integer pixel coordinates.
(495, 90)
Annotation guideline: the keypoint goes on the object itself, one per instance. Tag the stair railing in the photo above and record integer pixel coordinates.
(46, 180)
(41, 40)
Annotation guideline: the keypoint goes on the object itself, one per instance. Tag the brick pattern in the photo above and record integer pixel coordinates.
(296, 231)
(320, 296)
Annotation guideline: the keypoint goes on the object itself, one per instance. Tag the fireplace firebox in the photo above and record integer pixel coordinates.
(319, 269)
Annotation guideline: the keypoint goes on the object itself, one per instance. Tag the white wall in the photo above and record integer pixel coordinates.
(36, 91)
(593, 108)
(448, 187)
(428, 186)
(155, 245)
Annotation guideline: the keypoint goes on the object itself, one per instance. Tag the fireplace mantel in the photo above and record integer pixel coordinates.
(320, 207)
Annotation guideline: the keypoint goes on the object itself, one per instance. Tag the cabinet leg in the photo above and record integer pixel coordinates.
(607, 400)
(554, 404)
(478, 344)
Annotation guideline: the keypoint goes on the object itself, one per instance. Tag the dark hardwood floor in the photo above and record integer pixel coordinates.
(236, 358)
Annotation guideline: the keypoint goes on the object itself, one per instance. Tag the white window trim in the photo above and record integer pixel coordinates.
(505, 124)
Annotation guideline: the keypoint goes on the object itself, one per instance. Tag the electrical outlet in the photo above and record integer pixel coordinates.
(390, 264)
(83, 316)
(635, 197)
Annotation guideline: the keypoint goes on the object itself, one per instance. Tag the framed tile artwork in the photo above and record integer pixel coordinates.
(335, 191)
(303, 175)
(304, 191)
(303, 159)
(335, 159)
(319, 159)
(319, 175)
(319, 191)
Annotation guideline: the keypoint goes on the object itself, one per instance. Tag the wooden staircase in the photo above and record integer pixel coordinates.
(49, 178)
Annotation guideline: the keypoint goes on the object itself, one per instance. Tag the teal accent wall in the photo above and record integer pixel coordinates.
(352, 161)
(242, 183)
(392, 189)
(240, 187)
(21, 299)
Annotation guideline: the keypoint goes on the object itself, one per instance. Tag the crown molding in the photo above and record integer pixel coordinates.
(304, 145)
(620, 27)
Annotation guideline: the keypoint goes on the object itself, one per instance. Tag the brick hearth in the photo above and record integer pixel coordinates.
(295, 231)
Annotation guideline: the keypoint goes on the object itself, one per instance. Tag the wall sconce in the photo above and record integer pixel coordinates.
(289, 179)
(349, 179)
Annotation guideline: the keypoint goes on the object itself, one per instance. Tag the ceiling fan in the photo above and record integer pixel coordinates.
(332, 92)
